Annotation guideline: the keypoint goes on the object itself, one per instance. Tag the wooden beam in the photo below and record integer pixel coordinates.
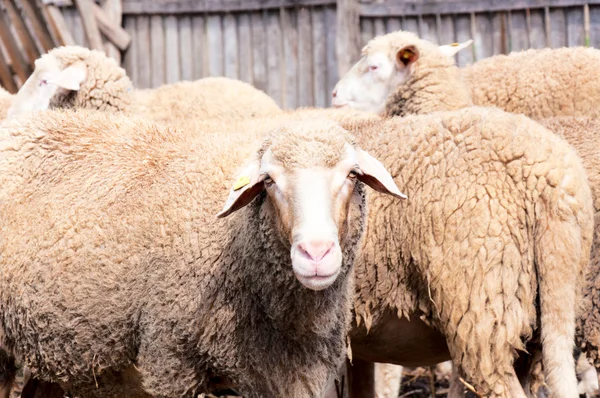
(55, 17)
(27, 41)
(90, 26)
(196, 6)
(111, 29)
(433, 7)
(37, 24)
(6, 78)
(114, 11)
(347, 35)
(21, 68)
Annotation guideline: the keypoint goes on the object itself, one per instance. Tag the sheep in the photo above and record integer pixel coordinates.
(216, 98)
(114, 264)
(483, 184)
(73, 77)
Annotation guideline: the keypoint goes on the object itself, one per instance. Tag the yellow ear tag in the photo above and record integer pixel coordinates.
(407, 55)
(241, 182)
(454, 44)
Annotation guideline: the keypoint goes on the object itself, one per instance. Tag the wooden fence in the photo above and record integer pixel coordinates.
(290, 48)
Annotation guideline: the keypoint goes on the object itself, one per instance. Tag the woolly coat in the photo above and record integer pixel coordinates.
(465, 250)
(539, 83)
(114, 264)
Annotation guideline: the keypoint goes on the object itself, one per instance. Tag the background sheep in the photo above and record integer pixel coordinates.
(130, 262)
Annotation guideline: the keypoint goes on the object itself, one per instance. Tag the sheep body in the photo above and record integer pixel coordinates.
(92, 285)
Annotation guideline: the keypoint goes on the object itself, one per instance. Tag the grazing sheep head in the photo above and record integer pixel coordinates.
(47, 80)
(387, 62)
(312, 173)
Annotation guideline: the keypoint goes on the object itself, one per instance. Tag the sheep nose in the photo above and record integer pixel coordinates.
(334, 93)
(316, 250)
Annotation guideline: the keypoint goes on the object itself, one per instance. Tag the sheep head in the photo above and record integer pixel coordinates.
(312, 173)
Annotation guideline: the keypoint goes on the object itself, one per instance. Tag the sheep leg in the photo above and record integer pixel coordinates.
(457, 389)
(558, 278)
(8, 371)
(361, 375)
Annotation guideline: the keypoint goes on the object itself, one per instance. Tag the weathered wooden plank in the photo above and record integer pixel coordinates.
(157, 41)
(595, 26)
(462, 26)
(212, 6)
(394, 24)
(111, 28)
(411, 24)
(114, 11)
(378, 26)
(6, 79)
(500, 35)
(428, 28)
(416, 7)
(332, 70)
(200, 46)
(321, 94)
(305, 71)
(90, 26)
(447, 32)
(42, 34)
(21, 68)
(230, 38)
(537, 29)
(186, 48)
(289, 25)
(130, 57)
(575, 26)
(78, 31)
(62, 28)
(29, 47)
(144, 52)
(259, 51)
(275, 85)
(348, 39)
(172, 56)
(214, 36)
(366, 30)
(483, 41)
(519, 37)
(245, 47)
(558, 32)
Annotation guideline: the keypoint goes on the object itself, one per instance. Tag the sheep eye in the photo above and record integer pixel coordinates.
(268, 181)
(43, 82)
(352, 175)
(373, 67)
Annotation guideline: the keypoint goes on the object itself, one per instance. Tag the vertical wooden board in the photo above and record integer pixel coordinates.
(483, 42)
(78, 31)
(259, 51)
(142, 41)
(186, 54)
(157, 40)
(537, 28)
(332, 69)
(245, 48)
(446, 29)
(230, 38)
(500, 33)
(411, 24)
(321, 94)
(519, 37)
(462, 26)
(25, 37)
(214, 36)
(394, 24)
(575, 28)
(378, 26)
(595, 26)
(289, 25)
(200, 47)
(172, 55)
(130, 56)
(558, 32)
(428, 28)
(274, 57)
(366, 30)
(305, 59)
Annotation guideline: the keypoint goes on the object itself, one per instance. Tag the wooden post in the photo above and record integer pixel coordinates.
(90, 26)
(114, 9)
(348, 34)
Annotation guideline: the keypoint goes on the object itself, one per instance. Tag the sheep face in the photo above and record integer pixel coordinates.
(310, 173)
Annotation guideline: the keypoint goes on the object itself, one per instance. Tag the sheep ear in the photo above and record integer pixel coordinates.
(248, 184)
(407, 55)
(375, 175)
(72, 76)
(450, 49)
